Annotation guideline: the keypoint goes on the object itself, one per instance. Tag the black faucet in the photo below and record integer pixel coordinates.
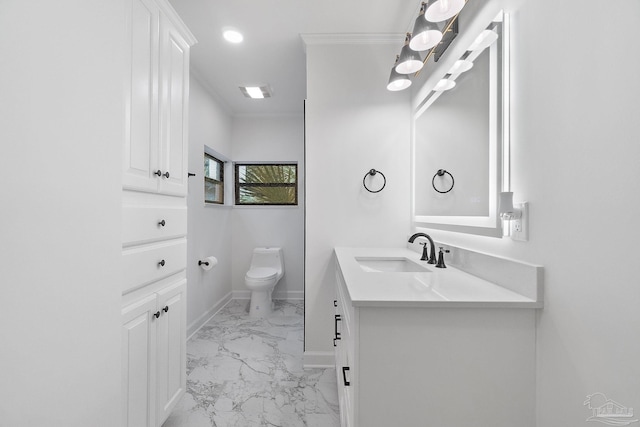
(432, 252)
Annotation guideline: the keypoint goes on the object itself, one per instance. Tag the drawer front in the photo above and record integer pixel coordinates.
(144, 224)
(146, 264)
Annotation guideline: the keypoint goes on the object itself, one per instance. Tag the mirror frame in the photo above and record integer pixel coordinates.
(499, 144)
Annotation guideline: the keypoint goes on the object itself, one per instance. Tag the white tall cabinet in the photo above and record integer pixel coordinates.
(154, 214)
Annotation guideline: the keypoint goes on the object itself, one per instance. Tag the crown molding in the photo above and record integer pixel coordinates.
(310, 39)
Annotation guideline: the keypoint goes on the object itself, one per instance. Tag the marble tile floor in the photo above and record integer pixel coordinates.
(248, 372)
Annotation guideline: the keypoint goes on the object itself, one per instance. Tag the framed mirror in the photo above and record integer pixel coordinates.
(460, 139)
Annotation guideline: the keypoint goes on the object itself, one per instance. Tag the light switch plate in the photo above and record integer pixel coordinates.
(520, 226)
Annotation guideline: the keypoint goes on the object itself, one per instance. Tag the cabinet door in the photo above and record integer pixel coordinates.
(138, 363)
(174, 89)
(141, 143)
(172, 351)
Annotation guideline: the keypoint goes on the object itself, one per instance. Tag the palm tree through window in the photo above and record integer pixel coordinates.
(266, 184)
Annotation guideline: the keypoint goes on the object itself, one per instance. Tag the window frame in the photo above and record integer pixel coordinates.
(238, 184)
(214, 181)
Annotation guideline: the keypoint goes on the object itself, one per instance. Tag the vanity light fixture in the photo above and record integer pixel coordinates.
(441, 10)
(460, 66)
(426, 34)
(484, 40)
(409, 61)
(444, 84)
(256, 92)
(398, 81)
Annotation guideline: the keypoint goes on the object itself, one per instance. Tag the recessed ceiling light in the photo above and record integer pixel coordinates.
(256, 92)
(232, 35)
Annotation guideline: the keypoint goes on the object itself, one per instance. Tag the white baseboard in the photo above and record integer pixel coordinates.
(285, 295)
(206, 316)
(319, 359)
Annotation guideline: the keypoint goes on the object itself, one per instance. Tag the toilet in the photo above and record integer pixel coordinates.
(267, 268)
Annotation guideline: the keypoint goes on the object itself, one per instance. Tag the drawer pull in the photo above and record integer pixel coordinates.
(336, 333)
(344, 376)
(162, 223)
(157, 314)
(335, 302)
(161, 263)
(166, 308)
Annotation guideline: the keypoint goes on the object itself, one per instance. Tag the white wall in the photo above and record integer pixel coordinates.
(575, 152)
(353, 124)
(61, 131)
(277, 138)
(209, 227)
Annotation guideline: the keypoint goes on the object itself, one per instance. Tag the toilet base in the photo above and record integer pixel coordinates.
(260, 305)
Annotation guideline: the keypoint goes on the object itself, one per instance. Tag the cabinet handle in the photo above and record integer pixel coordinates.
(166, 308)
(158, 172)
(344, 376)
(162, 223)
(161, 263)
(335, 302)
(335, 329)
(166, 174)
(157, 314)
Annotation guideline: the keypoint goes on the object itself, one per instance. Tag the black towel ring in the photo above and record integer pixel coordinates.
(372, 172)
(441, 172)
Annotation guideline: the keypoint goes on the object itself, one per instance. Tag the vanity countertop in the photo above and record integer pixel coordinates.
(437, 287)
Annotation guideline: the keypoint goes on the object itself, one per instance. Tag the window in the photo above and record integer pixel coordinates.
(266, 184)
(213, 180)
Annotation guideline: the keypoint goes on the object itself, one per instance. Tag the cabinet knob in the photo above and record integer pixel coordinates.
(161, 263)
(158, 172)
(344, 376)
(157, 314)
(162, 223)
(166, 174)
(335, 302)
(166, 308)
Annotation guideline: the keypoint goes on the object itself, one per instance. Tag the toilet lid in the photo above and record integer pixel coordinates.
(262, 273)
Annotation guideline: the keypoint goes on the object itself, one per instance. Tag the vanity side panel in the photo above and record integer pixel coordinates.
(446, 367)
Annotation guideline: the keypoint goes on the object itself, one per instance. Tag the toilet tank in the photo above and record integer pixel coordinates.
(268, 257)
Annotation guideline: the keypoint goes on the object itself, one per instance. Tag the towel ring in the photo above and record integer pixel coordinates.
(441, 172)
(372, 172)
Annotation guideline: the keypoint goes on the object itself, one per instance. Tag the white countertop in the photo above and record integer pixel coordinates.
(438, 287)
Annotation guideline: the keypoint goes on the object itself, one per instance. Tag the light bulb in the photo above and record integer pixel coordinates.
(444, 84)
(442, 10)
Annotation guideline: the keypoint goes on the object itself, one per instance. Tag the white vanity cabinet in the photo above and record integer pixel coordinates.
(155, 151)
(343, 341)
(154, 214)
(403, 364)
(153, 355)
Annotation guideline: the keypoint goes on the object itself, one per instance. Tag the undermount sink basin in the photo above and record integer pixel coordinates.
(390, 265)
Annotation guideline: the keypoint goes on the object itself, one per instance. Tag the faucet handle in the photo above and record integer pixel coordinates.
(441, 257)
(424, 256)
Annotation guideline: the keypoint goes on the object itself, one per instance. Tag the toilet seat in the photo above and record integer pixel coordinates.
(262, 273)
